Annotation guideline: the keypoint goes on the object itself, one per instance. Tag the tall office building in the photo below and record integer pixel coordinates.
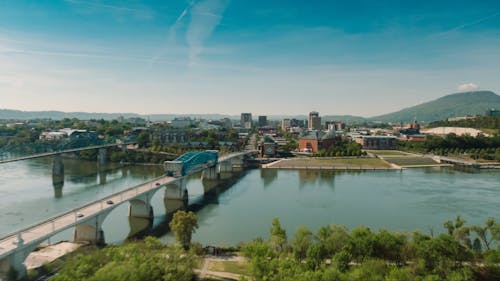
(262, 121)
(314, 121)
(246, 120)
(286, 124)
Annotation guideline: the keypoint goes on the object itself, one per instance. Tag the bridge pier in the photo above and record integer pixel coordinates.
(102, 156)
(176, 196)
(57, 175)
(57, 167)
(211, 173)
(90, 230)
(140, 207)
(102, 174)
(12, 266)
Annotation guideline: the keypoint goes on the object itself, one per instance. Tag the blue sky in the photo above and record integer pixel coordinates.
(265, 57)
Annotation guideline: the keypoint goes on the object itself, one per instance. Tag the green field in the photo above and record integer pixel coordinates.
(411, 161)
(384, 153)
(333, 163)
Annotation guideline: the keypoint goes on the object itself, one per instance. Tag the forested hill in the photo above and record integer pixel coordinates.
(459, 104)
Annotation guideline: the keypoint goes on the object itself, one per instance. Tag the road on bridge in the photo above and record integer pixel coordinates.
(44, 230)
(39, 155)
(56, 224)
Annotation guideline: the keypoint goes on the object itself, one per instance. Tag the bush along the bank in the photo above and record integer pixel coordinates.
(334, 253)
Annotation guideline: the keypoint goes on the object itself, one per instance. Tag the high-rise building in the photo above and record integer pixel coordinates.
(246, 120)
(286, 124)
(262, 120)
(314, 121)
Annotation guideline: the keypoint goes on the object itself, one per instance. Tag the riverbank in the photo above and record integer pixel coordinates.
(49, 253)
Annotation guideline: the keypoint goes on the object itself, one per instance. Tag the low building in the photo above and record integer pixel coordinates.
(317, 140)
(413, 137)
(460, 118)
(52, 136)
(268, 147)
(459, 131)
(172, 135)
(377, 142)
(182, 122)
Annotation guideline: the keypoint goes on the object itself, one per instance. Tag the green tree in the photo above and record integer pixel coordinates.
(301, 242)
(362, 242)
(341, 260)
(183, 225)
(143, 139)
(488, 233)
(277, 237)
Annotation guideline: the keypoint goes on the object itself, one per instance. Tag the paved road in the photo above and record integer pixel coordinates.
(71, 218)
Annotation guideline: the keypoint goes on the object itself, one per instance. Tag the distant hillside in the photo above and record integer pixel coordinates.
(9, 114)
(58, 115)
(349, 119)
(459, 104)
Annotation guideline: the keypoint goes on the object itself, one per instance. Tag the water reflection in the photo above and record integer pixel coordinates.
(268, 176)
(210, 197)
(58, 184)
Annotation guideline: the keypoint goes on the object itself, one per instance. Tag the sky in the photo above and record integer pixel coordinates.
(266, 57)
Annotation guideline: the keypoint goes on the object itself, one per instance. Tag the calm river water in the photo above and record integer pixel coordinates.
(242, 208)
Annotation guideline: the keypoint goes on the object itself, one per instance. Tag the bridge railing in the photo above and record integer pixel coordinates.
(63, 220)
(52, 222)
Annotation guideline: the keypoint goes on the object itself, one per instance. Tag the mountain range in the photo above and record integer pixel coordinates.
(453, 105)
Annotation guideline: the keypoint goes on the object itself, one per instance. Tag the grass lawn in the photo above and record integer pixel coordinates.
(353, 163)
(387, 152)
(411, 161)
(236, 267)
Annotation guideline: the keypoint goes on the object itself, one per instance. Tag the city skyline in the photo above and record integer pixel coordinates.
(228, 57)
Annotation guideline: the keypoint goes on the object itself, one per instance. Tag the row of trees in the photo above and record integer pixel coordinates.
(334, 253)
(342, 148)
(479, 122)
(478, 147)
(143, 260)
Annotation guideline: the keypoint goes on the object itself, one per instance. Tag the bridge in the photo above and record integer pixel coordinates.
(54, 153)
(87, 220)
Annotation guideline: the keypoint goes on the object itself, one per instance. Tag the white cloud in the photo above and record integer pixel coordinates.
(468, 87)
(205, 16)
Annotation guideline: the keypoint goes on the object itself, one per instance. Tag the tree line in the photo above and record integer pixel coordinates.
(478, 122)
(333, 253)
(476, 147)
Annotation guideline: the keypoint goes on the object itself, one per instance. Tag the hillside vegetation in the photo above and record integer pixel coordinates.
(479, 122)
(459, 104)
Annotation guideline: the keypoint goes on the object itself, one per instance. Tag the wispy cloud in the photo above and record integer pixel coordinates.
(205, 16)
(99, 6)
(468, 24)
(467, 87)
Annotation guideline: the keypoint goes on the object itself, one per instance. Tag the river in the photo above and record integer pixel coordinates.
(243, 208)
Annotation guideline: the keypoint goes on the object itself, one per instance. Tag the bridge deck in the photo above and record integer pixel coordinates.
(43, 230)
(47, 228)
(39, 155)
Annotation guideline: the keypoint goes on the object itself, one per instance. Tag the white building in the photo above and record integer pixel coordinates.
(459, 131)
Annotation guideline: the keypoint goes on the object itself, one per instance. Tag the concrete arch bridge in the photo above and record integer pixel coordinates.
(87, 220)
